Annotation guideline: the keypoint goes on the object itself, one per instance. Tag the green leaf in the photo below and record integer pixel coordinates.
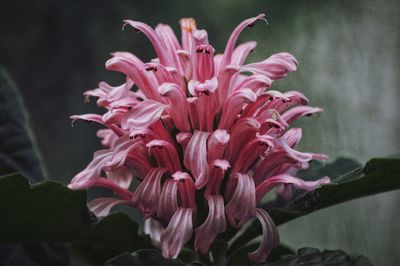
(240, 257)
(218, 252)
(17, 151)
(51, 212)
(379, 175)
(146, 257)
(314, 257)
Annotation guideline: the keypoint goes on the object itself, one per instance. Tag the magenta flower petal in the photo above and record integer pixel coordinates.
(178, 232)
(213, 225)
(270, 238)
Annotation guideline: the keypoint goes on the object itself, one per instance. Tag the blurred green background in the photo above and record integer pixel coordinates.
(349, 65)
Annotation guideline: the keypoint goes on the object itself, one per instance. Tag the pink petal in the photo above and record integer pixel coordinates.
(195, 158)
(203, 63)
(213, 225)
(108, 137)
(234, 37)
(216, 144)
(273, 181)
(217, 172)
(102, 206)
(270, 238)
(143, 115)
(233, 106)
(88, 176)
(298, 112)
(178, 232)
(122, 176)
(242, 204)
(178, 105)
(188, 26)
(148, 192)
(186, 189)
(159, 46)
(165, 154)
(241, 52)
(168, 203)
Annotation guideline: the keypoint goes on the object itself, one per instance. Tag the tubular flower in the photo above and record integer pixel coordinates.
(203, 134)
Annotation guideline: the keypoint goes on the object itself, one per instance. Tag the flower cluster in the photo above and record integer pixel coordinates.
(203, 134)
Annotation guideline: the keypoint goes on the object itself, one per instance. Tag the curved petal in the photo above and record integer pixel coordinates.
(143, 114)
(178, 232)
(195, 158)
(241, 52)
(159, 46)
(168, 203)
(226, 60)
(148, 192)
(270, 182)
(299, 111)
(178, 104)
(270, 238)
(213, 225)
(242, 203)
(102, 206)
(153, 228)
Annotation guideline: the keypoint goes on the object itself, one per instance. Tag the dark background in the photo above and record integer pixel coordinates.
(349, 65)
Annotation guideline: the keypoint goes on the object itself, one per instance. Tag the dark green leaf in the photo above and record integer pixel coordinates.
(379, 175)
(218, 252)
(146, 257)
(314, 257)
(17, 152)
(63, 215)
(240, 257)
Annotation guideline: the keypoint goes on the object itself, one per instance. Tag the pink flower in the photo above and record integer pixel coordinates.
(193, 122)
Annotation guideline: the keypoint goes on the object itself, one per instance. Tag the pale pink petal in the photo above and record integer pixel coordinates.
(275, 67)
(273, 181)
(122, 176)
(241, 52)
(88, 176)
(203, 63)
(297, 112)
(143, 115)
(195, 158)
(167, 36)
(213, 225)
(270, 238)
(108, 137)
(101, 206)
(88, 118)
(178, 105)
(178, 232)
